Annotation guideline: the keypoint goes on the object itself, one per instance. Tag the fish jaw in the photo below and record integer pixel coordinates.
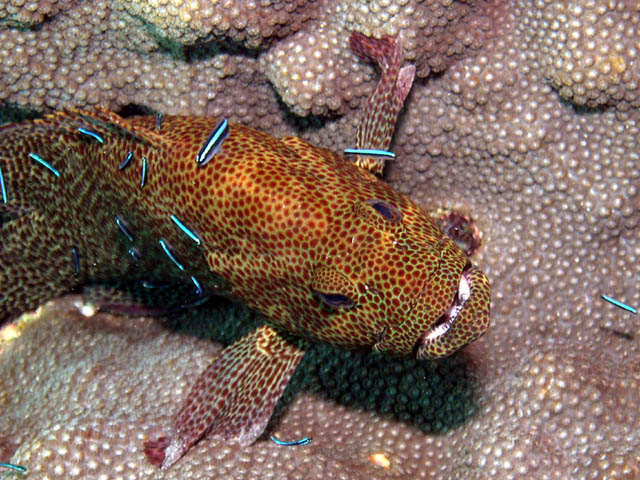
(463, 322)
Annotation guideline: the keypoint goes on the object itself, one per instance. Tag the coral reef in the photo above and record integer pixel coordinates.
(530, 128)
(124, 377)
(588, 50)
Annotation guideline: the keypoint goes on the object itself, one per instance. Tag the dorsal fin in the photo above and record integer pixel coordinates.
(383, 106)
(106, 123)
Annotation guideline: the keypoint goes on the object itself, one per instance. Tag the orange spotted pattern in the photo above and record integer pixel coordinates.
(319, 245)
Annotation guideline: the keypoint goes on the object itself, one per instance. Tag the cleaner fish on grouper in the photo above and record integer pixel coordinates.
(311, 239)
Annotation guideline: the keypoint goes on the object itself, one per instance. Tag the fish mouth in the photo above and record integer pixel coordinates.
(465, 320)
(446, 320)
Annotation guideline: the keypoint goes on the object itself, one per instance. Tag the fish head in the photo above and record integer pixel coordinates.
(403, 288)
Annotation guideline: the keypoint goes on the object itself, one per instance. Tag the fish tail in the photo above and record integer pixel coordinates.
(30, 268)
(32, 161)
(21, 225)
(48, 168)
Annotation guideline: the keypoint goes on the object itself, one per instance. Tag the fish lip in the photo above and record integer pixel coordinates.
(448, 318)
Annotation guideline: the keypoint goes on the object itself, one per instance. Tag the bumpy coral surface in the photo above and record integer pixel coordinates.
(524, 118)
(588, 50)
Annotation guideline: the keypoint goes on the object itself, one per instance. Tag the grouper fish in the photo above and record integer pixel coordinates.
(311, 239)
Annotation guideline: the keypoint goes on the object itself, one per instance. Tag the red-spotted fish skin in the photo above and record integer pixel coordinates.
(318, 244)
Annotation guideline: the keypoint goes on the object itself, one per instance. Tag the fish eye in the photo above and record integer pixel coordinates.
(386, 210)
(334, 300)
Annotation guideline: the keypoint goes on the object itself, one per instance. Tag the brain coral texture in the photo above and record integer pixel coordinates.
(524, 116)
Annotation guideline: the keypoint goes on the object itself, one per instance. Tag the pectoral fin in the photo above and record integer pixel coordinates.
(383, 106)
(234, 397)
